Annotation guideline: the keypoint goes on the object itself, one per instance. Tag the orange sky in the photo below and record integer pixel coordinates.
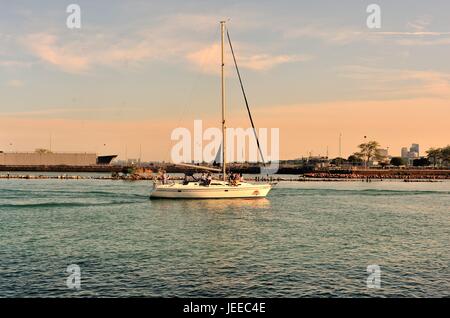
(303, 128)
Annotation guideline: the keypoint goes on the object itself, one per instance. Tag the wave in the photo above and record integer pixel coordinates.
(368, 192)
(95, 193)
(63, 204)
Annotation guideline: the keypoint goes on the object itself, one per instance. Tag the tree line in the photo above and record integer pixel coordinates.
(438, 157)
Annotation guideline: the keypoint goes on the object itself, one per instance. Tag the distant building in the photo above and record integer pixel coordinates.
(404, 152)
(47, 159)
(412, 153)
(52, 159)
(132, 162)
(318, 161)
(105, 160)
(414, 148)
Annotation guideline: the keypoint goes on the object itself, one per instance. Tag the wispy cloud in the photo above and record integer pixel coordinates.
(48, 48)
(400, 82)
(14, 63)
(420, 23)
(173, 39)
(207, 59)
(443, 39)
(87, 52)
(328, 34)
(15, 83)
(65, 112)
(416, 34)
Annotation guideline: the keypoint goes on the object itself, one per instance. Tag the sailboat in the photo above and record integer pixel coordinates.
(216, 189)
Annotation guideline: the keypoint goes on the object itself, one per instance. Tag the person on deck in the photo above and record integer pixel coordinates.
(165, 177)
(186, 179)
(234, 179)
(203, 179)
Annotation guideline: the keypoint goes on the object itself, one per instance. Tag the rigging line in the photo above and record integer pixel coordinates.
(245, 97)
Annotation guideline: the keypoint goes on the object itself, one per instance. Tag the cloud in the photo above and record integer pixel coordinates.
(81, 52)
(425, 41)
(332, 35)
(404, 83)
(420, 23)
(47, 48)
(9, 53)
(417, 35)
(171, 39)
(15, 83)
(207, 59)
(70, 112)
(14, 63)
(88, 51)
(267, 61)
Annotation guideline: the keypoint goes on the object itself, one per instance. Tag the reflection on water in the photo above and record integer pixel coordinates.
(213, 205)
(304, 239)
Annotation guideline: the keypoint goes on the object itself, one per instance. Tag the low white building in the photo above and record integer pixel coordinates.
(47, 159)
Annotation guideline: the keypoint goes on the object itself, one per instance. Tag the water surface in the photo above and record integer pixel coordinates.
(305, 239)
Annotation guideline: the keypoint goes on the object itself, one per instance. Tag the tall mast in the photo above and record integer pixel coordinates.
(222, 32)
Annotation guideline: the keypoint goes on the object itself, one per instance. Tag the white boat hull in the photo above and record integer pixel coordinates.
(217, 190)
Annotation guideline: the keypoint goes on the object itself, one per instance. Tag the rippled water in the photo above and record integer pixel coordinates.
(305, 239)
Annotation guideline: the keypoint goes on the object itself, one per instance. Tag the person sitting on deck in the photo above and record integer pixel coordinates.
(203, 179)
(237, 178)
(189, 177)
(208, 179)
(234, 179)
(165, 177)
(186, 179)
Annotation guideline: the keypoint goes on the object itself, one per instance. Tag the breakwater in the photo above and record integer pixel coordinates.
(63, 168)
(283, 173)
(272, 178)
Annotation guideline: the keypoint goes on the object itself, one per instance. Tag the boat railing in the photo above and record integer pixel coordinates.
(163, 182)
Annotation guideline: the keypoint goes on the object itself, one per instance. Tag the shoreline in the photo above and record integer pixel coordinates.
(332, 174)
(273, 178)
